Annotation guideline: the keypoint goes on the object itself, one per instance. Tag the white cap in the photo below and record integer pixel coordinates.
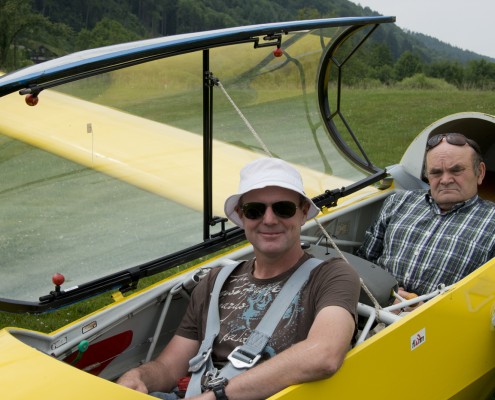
(264, 172)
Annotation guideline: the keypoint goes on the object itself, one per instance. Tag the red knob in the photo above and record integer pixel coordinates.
(31, 100)
(58, 279)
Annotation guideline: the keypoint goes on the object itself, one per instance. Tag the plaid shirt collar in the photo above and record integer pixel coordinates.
(436, 209)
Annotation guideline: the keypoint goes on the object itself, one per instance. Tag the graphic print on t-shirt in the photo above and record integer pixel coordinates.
(243, 305)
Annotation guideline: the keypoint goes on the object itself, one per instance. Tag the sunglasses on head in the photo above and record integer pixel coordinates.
(282, 209)
(457, 139)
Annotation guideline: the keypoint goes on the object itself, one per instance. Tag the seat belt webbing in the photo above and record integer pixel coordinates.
(202, 361)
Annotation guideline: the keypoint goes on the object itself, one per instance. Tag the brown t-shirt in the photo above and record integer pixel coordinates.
(245, 299)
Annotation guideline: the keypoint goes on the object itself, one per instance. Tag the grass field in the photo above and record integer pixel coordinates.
(385, 120)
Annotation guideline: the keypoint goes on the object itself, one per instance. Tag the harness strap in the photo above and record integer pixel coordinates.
(202, 361)
(247, 355)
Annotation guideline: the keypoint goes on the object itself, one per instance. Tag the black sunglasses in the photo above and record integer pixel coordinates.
(457, 139)
(282, 209)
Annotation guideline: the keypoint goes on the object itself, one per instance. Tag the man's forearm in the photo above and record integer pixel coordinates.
(297, 364)
(317, 357)
(152, 375)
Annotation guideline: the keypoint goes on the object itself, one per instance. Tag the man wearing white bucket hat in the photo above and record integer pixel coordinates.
(314, 328)
(262, 173)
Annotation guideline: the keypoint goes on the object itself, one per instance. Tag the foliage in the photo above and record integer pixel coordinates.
(439, 51)
(452, 72)
(16, 19)
(481, 74)
(407, 65)
(105, 32)
(31, 27)
(421, 81)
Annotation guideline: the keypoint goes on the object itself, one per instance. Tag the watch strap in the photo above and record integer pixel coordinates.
(218, 389)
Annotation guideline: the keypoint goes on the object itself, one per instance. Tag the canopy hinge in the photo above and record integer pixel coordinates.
(274, 39)
(222, 220)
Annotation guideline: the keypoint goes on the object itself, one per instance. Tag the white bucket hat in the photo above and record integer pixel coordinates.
(265, 172)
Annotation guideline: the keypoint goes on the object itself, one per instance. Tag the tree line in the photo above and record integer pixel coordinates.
(32, 31)
(378, 64)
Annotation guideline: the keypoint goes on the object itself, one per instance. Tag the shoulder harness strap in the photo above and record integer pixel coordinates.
(200, 363)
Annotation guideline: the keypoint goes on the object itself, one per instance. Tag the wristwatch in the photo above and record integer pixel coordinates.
(218, 388)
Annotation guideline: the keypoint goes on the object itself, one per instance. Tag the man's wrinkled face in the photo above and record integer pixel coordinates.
(451, 174)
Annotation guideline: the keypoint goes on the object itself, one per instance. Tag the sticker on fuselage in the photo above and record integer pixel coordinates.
(418, 339)
(59, 342)
(89, 327)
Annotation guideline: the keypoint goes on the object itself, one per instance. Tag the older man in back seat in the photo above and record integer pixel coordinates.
(427, 238)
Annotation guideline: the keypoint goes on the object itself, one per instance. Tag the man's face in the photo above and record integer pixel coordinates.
(271, 235)
(451, 174)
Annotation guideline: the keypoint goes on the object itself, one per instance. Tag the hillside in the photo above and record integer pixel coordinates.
(169, 17)
(443, 50)
(43, 29)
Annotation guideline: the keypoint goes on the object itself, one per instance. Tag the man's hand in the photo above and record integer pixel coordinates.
(132, 380)
(408, 296)
(163, 373)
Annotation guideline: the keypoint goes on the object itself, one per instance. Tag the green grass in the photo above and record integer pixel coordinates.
(385, 120)
(56, 319)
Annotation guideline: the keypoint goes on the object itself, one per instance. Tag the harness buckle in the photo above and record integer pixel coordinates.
(198, 361)
(241, 358)
(212, 379)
